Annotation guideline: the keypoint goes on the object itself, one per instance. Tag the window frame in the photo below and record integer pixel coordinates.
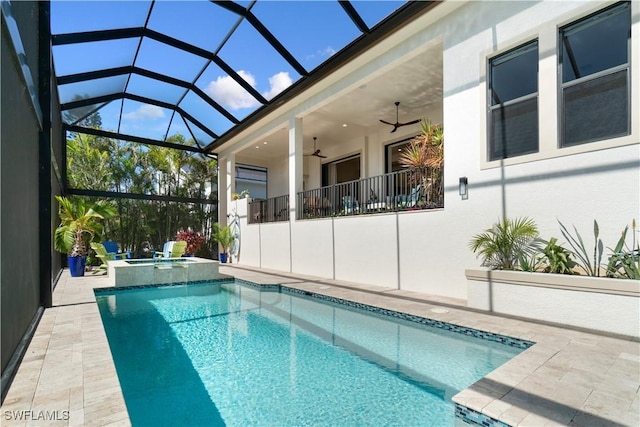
(561, 86)
(490, 107)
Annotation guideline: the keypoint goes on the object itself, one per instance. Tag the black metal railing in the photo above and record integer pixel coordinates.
(411, 189)
(274, 209)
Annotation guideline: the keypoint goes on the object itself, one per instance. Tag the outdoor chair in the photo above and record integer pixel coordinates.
(410, 200)
(172, 249)
(414, 196)
(350, 205)
(103, 255)
(112, 248)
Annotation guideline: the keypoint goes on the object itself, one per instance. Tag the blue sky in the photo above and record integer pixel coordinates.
(311, 30)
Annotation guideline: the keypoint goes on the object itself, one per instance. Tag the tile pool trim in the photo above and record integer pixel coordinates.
(462, 412)
(489, 336)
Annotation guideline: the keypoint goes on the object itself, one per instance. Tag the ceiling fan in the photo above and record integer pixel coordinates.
(397, 124)
(316, 152)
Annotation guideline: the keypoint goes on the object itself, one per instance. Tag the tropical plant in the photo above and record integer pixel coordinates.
(79, 224)
(505, 242)
(99, 163)
(241, 195)
(624, 261)
(223, 236)
(580, 251)
(194, 240)
(426, 151)
(530, 262)
(558, 258)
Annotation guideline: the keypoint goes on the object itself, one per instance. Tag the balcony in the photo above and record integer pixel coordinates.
(407, 190)
(275, 209)
(412, 189)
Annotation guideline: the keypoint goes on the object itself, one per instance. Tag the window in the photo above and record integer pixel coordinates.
(594, 64)
(513, 104)
(252, 179)
(343, 170)
(392, 155)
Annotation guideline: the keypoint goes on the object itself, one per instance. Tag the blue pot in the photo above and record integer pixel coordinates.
(223, 258)
(76, 265)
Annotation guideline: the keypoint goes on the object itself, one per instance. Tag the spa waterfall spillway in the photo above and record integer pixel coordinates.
(139, 272)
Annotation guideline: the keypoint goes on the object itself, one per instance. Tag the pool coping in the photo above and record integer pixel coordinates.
(568, 377)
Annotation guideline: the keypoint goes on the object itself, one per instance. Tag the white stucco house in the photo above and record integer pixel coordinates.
(540, 105)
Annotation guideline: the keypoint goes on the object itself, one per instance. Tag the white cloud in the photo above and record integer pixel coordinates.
(277, 84)
(145, 112)
(322, 53)
(230, 94)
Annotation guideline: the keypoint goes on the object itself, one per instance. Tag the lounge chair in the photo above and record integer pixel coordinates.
(179, 248)
(112, 246)
(410, 200)
(172, 249)
(350, 205)
(103, 255)
(415, 196)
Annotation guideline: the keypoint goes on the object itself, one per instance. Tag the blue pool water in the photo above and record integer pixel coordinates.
(229, 354)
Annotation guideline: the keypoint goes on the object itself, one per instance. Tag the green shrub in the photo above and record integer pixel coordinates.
(558, 259)
(624, 262)
(507, 241)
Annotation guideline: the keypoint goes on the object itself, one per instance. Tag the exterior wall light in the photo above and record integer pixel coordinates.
(463, 187)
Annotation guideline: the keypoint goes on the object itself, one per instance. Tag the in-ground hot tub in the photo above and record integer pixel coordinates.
(137, 272)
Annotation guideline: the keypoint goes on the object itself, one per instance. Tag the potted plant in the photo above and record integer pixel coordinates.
(79, 224)
(194, 241)
(225, 238)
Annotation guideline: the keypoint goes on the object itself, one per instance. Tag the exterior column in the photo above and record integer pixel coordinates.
(226, 186)
(295, 164)
(231, 178)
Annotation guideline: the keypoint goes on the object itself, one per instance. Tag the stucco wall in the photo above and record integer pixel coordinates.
(599, 180)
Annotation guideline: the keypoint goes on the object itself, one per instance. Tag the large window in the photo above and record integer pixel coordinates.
(252, 179)
(343, 170)
(594, 64)
(392, 155)
(513, 104)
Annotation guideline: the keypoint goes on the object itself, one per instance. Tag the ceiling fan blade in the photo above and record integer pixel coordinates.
(395, 128)
(412, 122)
(321, 156)
(387, 123)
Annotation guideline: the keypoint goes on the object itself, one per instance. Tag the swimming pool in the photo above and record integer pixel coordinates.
(230, 354)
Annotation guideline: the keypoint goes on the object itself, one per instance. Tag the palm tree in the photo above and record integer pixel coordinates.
(505, 242)
(79, 223)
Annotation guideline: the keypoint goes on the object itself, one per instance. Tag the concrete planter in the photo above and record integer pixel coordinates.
(597, 303)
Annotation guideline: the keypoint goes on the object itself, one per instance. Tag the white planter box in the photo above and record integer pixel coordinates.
(597, 303)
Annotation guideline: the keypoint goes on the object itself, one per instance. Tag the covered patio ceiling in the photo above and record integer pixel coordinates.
(206, 69)
(415, 82)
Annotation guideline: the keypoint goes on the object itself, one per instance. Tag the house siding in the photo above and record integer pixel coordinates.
(427, 251)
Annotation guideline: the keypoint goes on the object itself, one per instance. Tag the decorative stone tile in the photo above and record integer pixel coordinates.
(475, 418)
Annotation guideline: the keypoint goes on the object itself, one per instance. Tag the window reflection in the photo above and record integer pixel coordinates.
(595, 76)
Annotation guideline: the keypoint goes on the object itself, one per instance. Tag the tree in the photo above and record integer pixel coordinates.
(100, 163)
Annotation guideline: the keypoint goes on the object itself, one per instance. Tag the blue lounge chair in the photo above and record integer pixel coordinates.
(350, 205)
(112, 249)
